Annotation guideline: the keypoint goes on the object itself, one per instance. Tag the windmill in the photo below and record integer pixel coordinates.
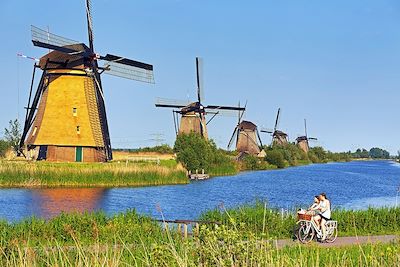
(247, 137)
(66, 116)
(302, 141)
(193, 115)
(278, 137)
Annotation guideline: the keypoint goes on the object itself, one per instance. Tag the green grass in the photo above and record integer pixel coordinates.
(258, 219)
(131, 239)
(113, 174)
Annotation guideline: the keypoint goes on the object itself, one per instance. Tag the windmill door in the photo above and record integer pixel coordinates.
(78, 154)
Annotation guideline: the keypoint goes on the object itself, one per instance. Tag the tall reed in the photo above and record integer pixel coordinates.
(31, 174)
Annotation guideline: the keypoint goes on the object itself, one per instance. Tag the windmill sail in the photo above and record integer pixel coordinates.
(46, 37)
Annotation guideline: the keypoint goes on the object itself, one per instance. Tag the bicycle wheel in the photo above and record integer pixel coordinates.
(331, 235)
(306, 233)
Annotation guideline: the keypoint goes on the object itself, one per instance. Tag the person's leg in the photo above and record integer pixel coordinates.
(316, 219)
(323, 228)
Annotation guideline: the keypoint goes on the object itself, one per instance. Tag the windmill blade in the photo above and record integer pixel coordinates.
(305, 127)
(65, 50)
(277, 119)
(312, 138)
(129, 72)
(46, 37)
(232, 137)
(241, 116)
(225, 108)
(126, 61)
(222, 112)
(171, 103)
(259, 138)
(265, 130)
(199, 77)
(128, 68)
(89, 23)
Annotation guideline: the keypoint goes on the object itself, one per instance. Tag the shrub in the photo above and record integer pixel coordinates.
(276, 158)
(4, 146)
(197, 153)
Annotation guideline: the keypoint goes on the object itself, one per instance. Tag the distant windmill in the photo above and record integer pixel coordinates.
(193, 115)
(247, 137)
(278, 137)
(303, 141)
(66, 116)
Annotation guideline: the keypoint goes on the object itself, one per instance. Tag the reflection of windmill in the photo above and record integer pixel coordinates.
(66, 119)
(278, 137)
(193, 114)
(302, 141)
(248, 139)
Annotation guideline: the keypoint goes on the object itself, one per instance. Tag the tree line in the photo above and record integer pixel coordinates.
(373, 153)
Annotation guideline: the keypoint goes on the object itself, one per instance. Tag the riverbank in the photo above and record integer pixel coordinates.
(260, 220)
(132, 239)
(111, 174)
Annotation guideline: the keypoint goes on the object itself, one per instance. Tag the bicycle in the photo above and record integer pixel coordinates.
(308, 230)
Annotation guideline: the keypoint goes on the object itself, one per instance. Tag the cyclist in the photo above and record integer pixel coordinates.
(324, 214)
(312, 209)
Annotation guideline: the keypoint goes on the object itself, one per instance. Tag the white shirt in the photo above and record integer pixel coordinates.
(325, 208)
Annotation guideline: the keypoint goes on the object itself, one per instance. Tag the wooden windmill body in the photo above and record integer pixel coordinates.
(193, 115)
(303, 141)
(248, 141)
(66, 118)
(279, 137)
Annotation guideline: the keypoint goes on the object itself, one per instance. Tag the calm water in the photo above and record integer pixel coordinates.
(354, 185)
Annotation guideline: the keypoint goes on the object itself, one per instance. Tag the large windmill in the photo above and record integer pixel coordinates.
(193, 115)
(66, 116)
(247, 137)
(303, 141)
(278, 136)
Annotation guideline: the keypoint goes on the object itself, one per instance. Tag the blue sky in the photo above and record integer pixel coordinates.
(336, 63)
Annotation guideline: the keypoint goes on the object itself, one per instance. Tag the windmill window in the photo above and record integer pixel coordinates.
(34, 131)
(78, 129)
(74, 112)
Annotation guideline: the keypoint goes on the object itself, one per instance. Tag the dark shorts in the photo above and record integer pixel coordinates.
(323, 217)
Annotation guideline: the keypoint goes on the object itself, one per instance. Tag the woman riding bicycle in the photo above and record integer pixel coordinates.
(324, 214)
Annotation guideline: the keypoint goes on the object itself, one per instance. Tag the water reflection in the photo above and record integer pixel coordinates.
(50, 202)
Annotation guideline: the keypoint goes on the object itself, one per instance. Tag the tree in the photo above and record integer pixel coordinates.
(194, 152)
(13, 134)
(378, 153)
(276, 158)
(4, 146)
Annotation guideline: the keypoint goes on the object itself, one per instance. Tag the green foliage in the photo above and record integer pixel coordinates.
(4, 146)
(275, 157)
(361, 153)
(33, 174)
(261, 220)
(130, 239)
(250, 162)
(13, 134)
(378, 153)
(320, 155)
(196, 153)
(162, 149)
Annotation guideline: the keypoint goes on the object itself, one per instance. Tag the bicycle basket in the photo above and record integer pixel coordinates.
(306, 217)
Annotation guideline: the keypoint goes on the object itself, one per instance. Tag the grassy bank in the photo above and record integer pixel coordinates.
(260, 220)
(131, 239)
(46, 174)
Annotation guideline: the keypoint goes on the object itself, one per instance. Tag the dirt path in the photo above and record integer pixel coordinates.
(343, 241)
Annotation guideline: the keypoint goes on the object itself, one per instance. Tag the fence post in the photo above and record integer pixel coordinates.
(197, 229)
(185, 230)
(179, 229)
